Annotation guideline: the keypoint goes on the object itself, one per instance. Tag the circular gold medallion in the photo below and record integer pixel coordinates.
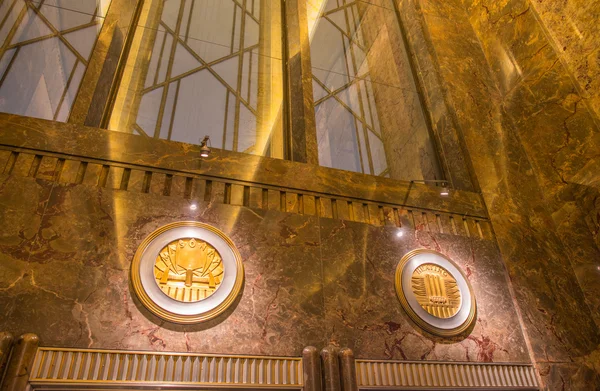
(435, 293)
(187, 272)
(436, 290)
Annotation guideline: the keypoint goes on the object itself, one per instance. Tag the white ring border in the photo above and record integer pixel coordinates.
(462, 315)
(148, 281)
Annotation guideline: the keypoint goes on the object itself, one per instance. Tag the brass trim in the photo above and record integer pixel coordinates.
(170, 316)
(76, 368)
(377, 374)
(414, 316)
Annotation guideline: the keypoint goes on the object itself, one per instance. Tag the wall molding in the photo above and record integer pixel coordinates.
(404, 375)
(71, 368)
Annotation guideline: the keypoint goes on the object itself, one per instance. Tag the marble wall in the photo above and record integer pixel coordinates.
(574, 29)
(66, 249)
(527, 137)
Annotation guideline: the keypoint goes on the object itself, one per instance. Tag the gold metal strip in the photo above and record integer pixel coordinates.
(380, 374)
(137, 368)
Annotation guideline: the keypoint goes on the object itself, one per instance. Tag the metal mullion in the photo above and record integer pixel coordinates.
(249, 77)
(246, 12)
(95, 14)
(163, 101)
(226, 117)
(139, 80)
(66, 89)
(369, 104)
(227, 87)
(38, 39)
(344, 33)
(160, 57)
(140, 130)
(339, 8)
(236, 126)
(58, 34)
(8, 13)
(13, 30)
(189, 24)
(350, 82)
(9, 66)
(360, 102)
(341, 102)
(233, 32)
(176, 78)
(336, 91)
(174, 109)
(195, 55)
(192, 71)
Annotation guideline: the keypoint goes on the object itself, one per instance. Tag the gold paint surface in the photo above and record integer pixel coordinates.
(188, 270)
(436, 290)
(174, 317)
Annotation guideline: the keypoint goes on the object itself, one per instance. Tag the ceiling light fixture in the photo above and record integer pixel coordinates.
(205, 147)
(444, 191)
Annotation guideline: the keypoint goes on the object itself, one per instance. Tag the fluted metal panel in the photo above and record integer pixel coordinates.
(400, 375)
(110, 368)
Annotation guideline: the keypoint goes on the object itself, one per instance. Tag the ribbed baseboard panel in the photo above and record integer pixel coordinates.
(401, 375)
(100, 368)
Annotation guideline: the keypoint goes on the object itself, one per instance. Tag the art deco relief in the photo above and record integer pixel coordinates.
(187, 272)
(436, 290)
(435, 293)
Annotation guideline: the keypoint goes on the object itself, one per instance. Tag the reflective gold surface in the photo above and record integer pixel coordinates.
(436, 290)
(194, 270)
(132, 369)
(188, 270)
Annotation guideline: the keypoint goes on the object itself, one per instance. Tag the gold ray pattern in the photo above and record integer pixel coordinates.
(188, 270)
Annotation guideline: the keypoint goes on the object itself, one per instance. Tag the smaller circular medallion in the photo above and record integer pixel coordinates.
(436, 290)
(435, 293)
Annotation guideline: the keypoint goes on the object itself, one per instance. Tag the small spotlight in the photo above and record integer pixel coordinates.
(400, 233)
(445, 191)
(193, 207)
(204, 151)
(204, 148)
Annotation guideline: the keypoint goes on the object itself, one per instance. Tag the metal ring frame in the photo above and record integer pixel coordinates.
(186, 313)
(450, 327)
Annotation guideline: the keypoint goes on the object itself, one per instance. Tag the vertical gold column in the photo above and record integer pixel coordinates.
(270, 82)
(348, 370)
(331, 368)
(94, 96)
(302, 124)
(6, 341)
(311, 366)
(19, 367)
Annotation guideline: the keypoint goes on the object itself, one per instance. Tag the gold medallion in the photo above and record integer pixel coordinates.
(188, 270)
(436, 290)
(435, 293)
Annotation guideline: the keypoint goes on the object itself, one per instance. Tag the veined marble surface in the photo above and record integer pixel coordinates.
(65, 261)
(532, 144)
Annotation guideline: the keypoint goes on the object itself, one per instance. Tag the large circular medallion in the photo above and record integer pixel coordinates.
(187, 272)
(435, 293)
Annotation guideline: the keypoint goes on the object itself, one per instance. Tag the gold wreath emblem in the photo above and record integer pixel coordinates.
(188, 270)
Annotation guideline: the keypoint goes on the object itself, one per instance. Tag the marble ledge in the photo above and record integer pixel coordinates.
(93, 143)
